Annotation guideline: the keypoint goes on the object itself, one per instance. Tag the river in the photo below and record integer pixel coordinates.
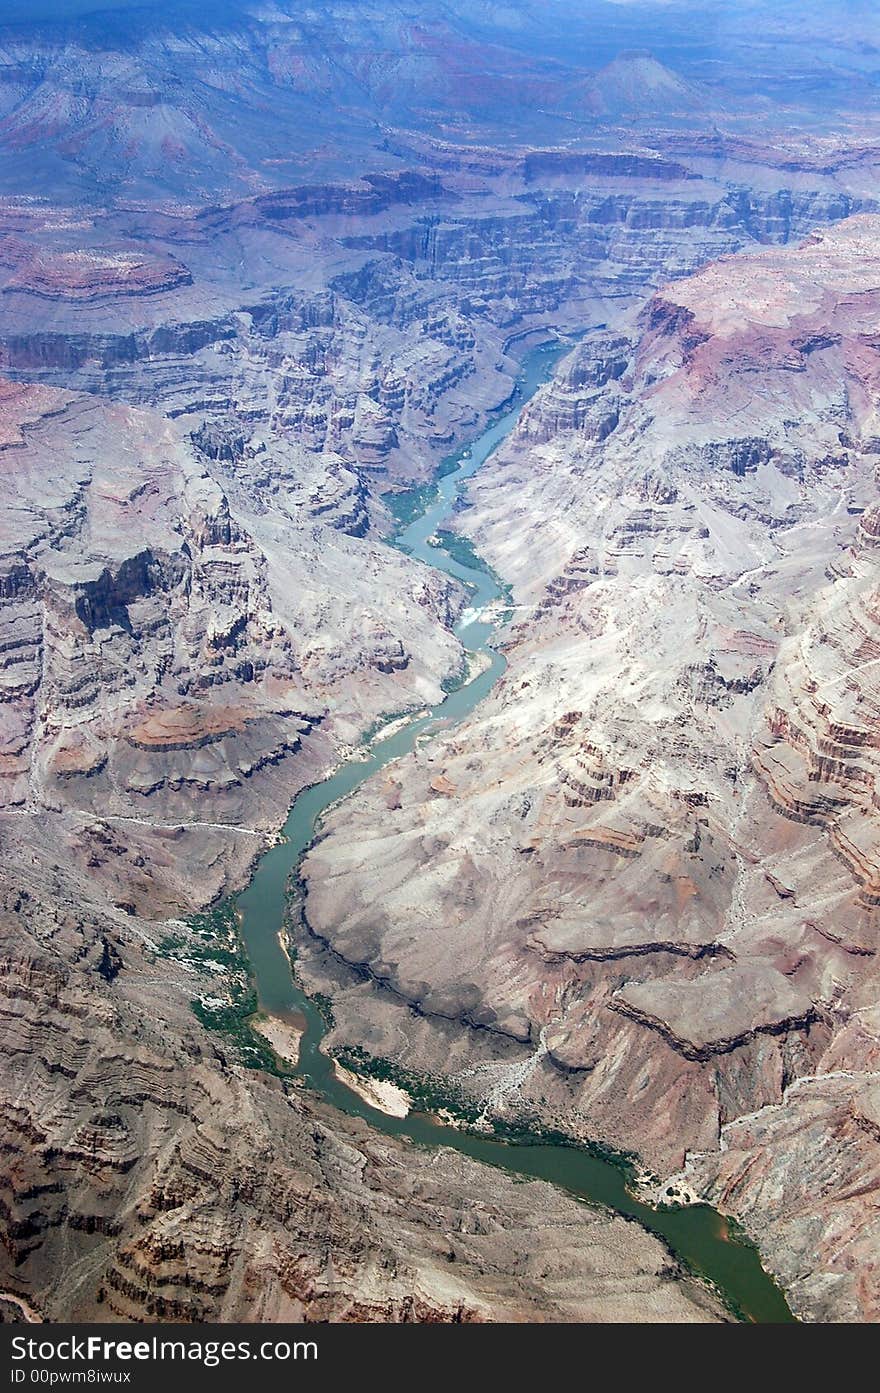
(701, 1237)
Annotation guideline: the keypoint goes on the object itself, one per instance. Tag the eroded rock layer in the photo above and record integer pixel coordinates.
(148, 1176)
(254, 273)
(636, 893)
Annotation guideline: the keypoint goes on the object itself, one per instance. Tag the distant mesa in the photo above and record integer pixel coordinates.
(86, 276)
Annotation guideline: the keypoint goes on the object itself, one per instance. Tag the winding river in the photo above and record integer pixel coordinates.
(698, 1235)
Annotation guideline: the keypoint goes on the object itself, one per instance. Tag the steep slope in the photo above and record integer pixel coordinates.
(635, 86)
(636, 894)
(256, 269)
(160, 667)
(148, 1176)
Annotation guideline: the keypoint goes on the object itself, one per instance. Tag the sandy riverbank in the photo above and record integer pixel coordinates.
(386, 1097)
(283, 1037)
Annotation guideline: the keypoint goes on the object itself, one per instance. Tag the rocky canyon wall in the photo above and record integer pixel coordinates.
(636, 892)
(245, 292)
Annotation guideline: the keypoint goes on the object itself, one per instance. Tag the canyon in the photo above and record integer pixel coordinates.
(633, 897)
(638, 885)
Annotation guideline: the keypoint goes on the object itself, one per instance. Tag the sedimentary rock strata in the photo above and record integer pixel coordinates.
(647, 861)
(153, 653)
(717, 1012)
(87, 276)
(253, 277)
(148, 1176)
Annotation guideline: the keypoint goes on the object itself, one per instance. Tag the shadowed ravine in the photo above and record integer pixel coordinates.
(699, 1236)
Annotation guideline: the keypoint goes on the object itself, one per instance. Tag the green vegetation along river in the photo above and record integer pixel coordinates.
(699, 1236)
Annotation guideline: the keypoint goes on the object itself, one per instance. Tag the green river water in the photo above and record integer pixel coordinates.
(702, 1238)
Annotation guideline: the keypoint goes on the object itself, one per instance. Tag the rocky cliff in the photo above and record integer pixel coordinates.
(636, 892)
(255, 272)
(148, 1176)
